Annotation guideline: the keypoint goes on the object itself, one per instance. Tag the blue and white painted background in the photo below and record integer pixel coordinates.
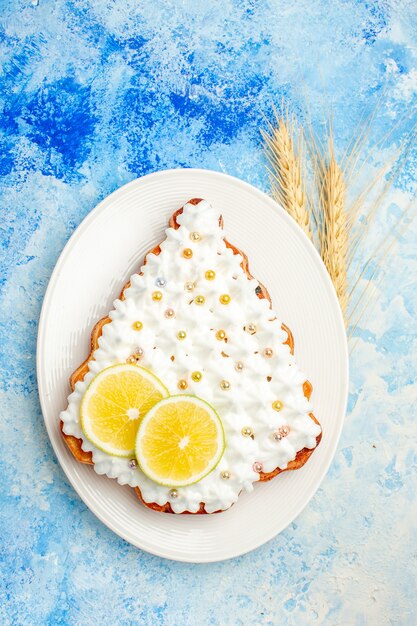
(95, 93)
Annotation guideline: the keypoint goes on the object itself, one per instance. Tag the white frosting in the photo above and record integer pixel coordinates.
(249, 400)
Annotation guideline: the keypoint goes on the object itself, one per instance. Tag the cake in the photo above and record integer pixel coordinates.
(196, 331)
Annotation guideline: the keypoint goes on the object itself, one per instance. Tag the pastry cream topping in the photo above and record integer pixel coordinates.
(232, 375)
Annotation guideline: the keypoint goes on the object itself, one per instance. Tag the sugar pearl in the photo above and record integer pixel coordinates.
(156, 296)
(239, 366)
(247, 431)
(133, 463)
(187, 253)
(277, 405)
(137, 325)
(225, 385)
(210, 275)
(189, 286)
(250, 328)
(199, 300)
(196, 376)
(134, 358)
(195, 236)
(182, 384)
(258, 467)
(173, 493)
(224, 298)
(220, 335)
(268, 352)
(169, 313)
(225, 475)
(181, 334)
(160, 282)
(280, 433)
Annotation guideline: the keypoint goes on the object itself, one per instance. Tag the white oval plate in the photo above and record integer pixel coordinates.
(107, 247)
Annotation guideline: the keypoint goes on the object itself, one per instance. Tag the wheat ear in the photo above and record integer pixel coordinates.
(333, 232)
(286, 171)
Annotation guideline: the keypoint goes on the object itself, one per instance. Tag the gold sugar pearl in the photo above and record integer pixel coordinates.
(196, 376)
(225, 385)
(195, 236)
(277, 405)
(225, 298)
(137, 325)
(169, 313)
(187, 253)
(189, 286)
(225, 475)
(210, 275)
(239, 366)
(134, 358)
(268, 352)
(181, 334)
(250, 328)
(156, 296)
(247, 431)
(182, 384)
(221, 335)
(200, 300)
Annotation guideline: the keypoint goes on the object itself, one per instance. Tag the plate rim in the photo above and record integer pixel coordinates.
(41, 331)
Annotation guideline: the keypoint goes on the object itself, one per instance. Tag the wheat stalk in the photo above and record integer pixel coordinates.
(286, 173)
(340, 232)
(333, 231)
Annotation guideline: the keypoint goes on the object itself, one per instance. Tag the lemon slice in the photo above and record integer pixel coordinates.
(114, 404)
(179, 441)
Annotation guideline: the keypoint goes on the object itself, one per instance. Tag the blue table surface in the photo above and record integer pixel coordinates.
(94, 94)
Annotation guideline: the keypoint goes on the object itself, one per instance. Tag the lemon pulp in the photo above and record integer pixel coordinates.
(179, 441)
(114, 404)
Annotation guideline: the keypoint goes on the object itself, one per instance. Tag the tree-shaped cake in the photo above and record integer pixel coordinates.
(191, 393)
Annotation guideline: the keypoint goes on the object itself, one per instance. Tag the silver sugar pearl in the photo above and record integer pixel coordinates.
(160, 282)
(133, 463)
(258, 467)
(173, 493)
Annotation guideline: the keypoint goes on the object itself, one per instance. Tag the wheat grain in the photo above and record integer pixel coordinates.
(333, 232)
(286, 171)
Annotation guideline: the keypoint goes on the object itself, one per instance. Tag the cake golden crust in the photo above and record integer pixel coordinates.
(74, 444)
